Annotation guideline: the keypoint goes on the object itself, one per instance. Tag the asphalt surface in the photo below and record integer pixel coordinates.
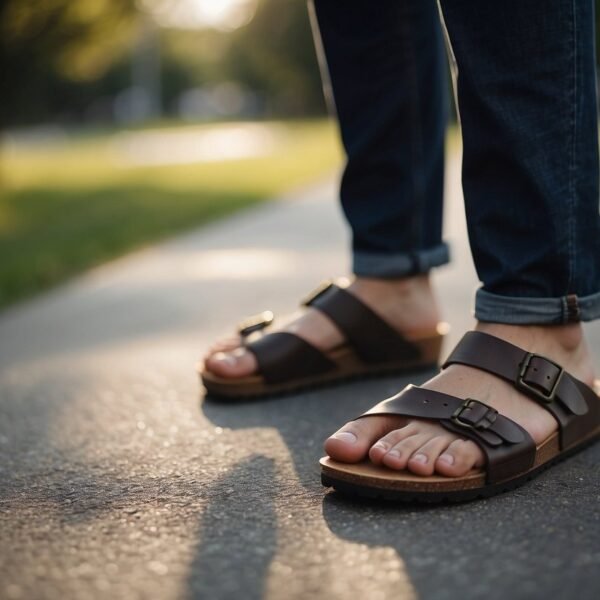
(118, 479)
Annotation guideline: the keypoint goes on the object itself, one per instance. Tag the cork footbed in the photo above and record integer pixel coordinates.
(349, 366)
(367, 479)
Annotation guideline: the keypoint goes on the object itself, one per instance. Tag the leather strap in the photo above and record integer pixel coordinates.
(283, 356)
(568, 399)
(370, 336)
(508, 447)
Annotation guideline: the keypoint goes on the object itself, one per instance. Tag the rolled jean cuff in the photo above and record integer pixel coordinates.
(511, 310)
(389, 265)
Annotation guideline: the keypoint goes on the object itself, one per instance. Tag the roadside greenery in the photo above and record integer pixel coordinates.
(67, 207)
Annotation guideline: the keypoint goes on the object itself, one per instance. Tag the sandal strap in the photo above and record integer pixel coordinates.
(283, 356)
(568, 399)
(370, 336)
(508, 448)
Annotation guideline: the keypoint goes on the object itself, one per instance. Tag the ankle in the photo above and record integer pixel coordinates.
(568, 338)
(408, 303)
(417, 284)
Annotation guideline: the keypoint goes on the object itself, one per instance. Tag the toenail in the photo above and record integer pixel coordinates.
(228, 359)
(394, 453)
(345, 436)
(420, 458)
(447, 458)
(381, 445)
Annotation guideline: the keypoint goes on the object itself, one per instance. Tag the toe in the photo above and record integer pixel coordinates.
(397, 457)
(422, 460)
(238, 363)
(459, 458)
(388, 441)
(352, 442)
(224, 345)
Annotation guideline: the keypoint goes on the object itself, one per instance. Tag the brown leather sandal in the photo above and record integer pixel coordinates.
(289, 363)
(512, 456)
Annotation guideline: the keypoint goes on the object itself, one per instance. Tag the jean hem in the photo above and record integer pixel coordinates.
(389, 265)
(512, 310)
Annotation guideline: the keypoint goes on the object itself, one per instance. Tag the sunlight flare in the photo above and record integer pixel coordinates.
(225, 15)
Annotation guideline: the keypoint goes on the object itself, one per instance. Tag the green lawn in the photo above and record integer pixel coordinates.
(71, 205)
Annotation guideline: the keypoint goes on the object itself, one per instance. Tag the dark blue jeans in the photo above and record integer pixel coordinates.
(526, 90)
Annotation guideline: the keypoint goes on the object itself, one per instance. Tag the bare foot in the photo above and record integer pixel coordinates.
(407, 304)
(424, 447)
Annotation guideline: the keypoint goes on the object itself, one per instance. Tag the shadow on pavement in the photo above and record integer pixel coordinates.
(521, 544)
(238, 542)
(538, 541)
(305, 420)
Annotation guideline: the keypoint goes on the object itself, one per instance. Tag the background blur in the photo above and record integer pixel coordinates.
(105, 61)
(122, 121)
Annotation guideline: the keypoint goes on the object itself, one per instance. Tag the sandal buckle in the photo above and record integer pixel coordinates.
(255, 323)
(536, 389)
(474, 414)
(317, 292)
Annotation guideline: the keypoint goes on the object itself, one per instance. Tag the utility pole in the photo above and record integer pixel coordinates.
(145, 98)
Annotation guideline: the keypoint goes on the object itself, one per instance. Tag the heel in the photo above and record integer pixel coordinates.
(431, 347)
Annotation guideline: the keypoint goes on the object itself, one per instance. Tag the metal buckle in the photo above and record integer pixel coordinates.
(255, 323)
(484, 422)
(316, 293)
(538, 393)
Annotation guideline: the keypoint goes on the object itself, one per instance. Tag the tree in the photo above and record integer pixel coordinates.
(42, 43)
(275, 53)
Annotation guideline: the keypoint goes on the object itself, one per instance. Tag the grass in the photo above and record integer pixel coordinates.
(68, 206)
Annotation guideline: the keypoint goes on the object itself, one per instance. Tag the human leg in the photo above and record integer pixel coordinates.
(526, 91)
(387, 69)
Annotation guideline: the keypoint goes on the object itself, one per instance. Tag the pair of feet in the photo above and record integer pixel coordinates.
(418, 445)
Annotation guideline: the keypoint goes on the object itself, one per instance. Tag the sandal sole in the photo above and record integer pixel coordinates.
(388, 494)
(214, 394)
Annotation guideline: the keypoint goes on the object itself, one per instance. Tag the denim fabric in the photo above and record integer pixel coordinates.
(526, 91)
(375, 264)
(387, 69)
(541, 311)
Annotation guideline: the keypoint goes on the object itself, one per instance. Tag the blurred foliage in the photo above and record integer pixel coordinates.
(46, 46)
(67, 59)
(274, 55)
(283, 62)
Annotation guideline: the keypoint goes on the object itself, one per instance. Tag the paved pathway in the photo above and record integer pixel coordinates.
(118, 481)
